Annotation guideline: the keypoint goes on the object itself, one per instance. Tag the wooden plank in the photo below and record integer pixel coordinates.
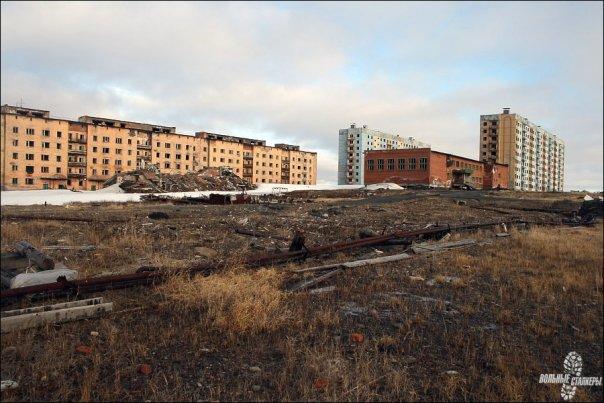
(36, 319)
(317, 280)
(425, 248)
(356, 263)
(62, 305)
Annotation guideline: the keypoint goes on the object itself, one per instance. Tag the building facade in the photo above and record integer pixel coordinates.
(424, 166)
(534, 155)
(41, 152)
(355, 141)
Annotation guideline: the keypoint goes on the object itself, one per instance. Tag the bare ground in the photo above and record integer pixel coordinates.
(518, 305)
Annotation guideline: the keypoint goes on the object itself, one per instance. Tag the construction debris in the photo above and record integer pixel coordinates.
(151, 180)
(40, 259)
(57, 313)
(42, 277)
(425, 248)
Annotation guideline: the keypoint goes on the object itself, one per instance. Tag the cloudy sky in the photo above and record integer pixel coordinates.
(298, 72)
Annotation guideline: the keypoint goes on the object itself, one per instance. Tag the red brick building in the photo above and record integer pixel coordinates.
(428, 167)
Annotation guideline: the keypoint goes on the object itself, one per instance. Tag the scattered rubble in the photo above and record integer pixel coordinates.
(151, 180)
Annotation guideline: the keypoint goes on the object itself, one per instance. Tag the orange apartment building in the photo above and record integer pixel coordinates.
(428, 167)
(40, 152)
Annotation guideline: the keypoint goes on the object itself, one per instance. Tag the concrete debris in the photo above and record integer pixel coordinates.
(588, 198)
(58, 313)
(151, 180)
(42, 277)
(8, 384)
(502, 234)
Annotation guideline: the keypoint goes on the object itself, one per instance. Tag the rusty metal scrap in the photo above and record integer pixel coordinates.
(151, 276)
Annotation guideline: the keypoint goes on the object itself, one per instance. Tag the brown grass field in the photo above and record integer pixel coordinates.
(518, 306)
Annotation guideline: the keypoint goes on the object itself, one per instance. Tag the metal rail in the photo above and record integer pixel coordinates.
(153, 276)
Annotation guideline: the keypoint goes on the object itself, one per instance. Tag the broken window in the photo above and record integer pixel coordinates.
(401, 164)
(370, 165)
(29, 169)
(380, 164)
(412, 163)
(423, 163)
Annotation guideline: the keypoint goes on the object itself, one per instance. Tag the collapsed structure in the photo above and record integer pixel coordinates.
(152, 180)
(42, 152)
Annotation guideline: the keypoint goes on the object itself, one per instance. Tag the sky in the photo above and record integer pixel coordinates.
(298, 72)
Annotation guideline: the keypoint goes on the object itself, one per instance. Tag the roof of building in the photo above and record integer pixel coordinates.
(430, 150)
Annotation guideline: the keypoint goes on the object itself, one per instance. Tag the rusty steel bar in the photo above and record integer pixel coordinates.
(92, 284)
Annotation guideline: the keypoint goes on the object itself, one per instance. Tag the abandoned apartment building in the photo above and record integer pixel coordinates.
(535, 156)
(42, 152)
(424, 166)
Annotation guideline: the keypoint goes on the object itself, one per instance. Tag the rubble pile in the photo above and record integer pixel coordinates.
(151, 180)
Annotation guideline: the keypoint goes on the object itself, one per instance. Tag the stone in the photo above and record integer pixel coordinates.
(451, 372)
(256, 388)
(255, 369)
(94, 334)
(416, 278)
(204, 251)
(144, 369)
(367, 233)
(357, 338)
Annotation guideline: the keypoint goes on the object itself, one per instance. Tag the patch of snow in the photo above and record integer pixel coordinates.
(377, 186)
(588, 198)
(115, 194)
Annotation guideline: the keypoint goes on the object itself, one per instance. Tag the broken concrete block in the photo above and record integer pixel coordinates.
(42, 277)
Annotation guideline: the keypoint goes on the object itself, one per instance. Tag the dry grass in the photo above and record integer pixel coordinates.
(519, 306)
(233, 302)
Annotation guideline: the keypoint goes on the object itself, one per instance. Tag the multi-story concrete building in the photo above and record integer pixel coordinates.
(534, 155)
(354, 141)
(424, 166)
(41, 152)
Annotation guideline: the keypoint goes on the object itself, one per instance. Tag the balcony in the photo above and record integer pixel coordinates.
(76, 175)
(76, 163)
(144, 146)
(78, 152)
(79, 141)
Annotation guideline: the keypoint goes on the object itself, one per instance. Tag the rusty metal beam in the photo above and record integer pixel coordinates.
(148, 277)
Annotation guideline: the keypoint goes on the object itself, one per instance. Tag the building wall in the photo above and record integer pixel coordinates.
(383, 171)
(534, 155)
(177, 153)
(110, 150)
(427, 167)
(35, 157)
(83, 154)
(496, 176)
(225, 153)
(355, 141)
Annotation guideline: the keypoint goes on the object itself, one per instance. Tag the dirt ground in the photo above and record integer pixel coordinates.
(499, 313)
